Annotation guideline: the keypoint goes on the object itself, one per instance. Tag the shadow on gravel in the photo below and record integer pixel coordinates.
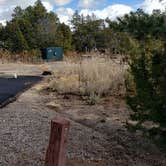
(10, 88)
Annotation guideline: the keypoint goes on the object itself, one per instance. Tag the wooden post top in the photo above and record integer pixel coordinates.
(62, 121)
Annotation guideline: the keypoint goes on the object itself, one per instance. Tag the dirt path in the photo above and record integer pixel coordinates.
(97, 136)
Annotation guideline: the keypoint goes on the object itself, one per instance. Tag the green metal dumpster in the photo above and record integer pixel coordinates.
(52, 53)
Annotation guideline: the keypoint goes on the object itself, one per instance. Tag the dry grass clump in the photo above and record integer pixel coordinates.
(89, 77)
(66, 78)
(72, 56)
(33, 56)
(5, 55)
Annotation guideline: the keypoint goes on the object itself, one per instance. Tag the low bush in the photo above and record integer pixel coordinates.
(146, 85)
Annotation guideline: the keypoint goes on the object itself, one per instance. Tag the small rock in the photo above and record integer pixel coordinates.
(54, 105)
(102, 120)
(120, 148)
(66, 97)
(105, 114)
(132, 122)
(45, 73)
(150, 125)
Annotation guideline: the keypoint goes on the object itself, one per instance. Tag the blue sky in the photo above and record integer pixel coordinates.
(101, 8)
(133, 3)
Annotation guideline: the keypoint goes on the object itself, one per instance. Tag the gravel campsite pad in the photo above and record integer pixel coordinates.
(98, 136)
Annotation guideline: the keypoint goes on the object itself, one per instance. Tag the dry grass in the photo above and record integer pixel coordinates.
(94, 76)
(33, 56)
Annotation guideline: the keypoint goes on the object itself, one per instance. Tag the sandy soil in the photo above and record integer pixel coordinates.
(98, 136)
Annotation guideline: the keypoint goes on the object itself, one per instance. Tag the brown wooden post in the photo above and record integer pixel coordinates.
(55, 155)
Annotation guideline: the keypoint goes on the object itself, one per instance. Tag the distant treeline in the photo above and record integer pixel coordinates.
(35, 28)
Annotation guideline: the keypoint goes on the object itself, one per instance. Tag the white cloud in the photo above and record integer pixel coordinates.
(2, 1)
(64, 14)
(87, 3)
(5, 13)
(48, 6)
(22, 3)
(62, 2)
(150, 5)
(3, 22)
(7, 6)
(112, 11)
